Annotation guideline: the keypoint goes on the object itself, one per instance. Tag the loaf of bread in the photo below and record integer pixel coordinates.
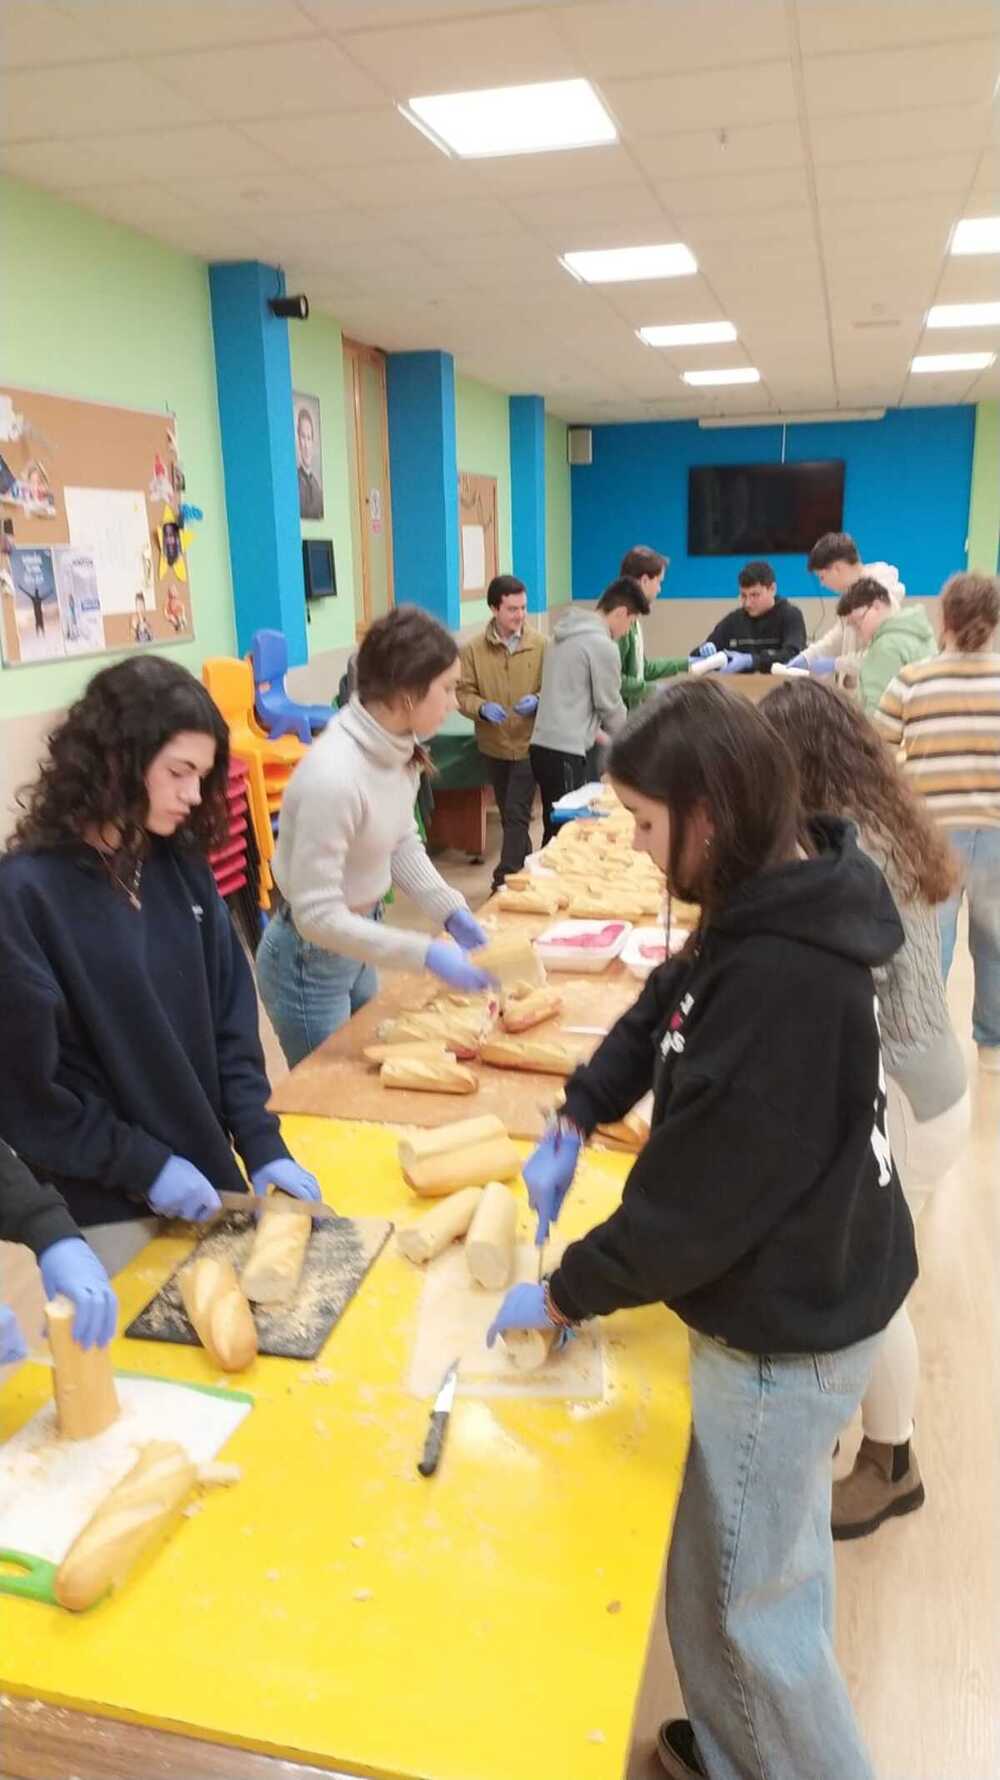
(511, 958)
(527, 1349)
(522, 1011)
(546, 1057)
(137, 1512)
(489, 1246)
(219, 1312)
(466, 1153)
(545, 896)
(437, 1228)
(82, 1378)
(632, 1131)
(442, 1074)
(406, 1047)
(271, 1275)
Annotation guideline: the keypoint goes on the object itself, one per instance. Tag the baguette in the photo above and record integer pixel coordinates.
(82, 1379)
(416, 1146)
(431, 1075)
(632, 1131)
(470, 1166)
(544, 898)
(137, 1512)
(544, 1056)
(406, 1047)
(219, 1313)
(272, 1274)
(437, 1228)
(527, 1349)
(489, 1246)
(511, 958)
(520, 1012)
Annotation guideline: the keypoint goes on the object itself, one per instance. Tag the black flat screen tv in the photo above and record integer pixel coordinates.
(763, 509)
(318, 570)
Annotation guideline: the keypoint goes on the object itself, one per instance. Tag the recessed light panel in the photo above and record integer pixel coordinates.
(526, 120)
(689, 333)
(952, 361)
(977, 234)
(739, 374)
(623, 265)
(964, 315)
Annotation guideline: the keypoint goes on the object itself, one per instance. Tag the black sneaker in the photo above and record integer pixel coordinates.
(678, 1751)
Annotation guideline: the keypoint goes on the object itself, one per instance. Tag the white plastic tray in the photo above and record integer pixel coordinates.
(640, 936)
(576, 800)
(581, 960)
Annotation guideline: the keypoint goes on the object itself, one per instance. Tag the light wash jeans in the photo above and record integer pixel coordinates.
(750, 1591)
(308, 992)
(979, 851)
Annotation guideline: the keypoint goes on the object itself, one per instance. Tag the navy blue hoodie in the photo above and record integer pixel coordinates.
(126, 1035)
(765, 1208)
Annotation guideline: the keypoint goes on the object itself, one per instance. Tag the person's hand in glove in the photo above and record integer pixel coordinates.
(71, 1267)
(548, 1175)
(466, 931)
(822, 665)
(528, 705)
(703, 651)
(12, 1343)
(737, 662)
(522, 1308)
(492, 713)
(288, 1177)
(798, 661)
(180, 1190)
(448, 961)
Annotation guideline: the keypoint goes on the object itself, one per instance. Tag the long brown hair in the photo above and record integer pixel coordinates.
(697, 745)
(970, 610)
(845, 769)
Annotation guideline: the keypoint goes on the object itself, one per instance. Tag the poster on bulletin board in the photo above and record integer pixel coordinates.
(94, 534)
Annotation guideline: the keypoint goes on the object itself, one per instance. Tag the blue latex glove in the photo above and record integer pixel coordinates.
(70, 1266)
(522, 1308)
(288, 1177)
(528, 705)
(492, 713)
(180, 1190)
(466, 931)
(703, 651)
(12, 1343)
(798, 661)
(548, 1176)
(737, 663)
(448, 961)
(822, 664)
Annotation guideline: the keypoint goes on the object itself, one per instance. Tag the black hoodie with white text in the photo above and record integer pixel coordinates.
(765, 1209)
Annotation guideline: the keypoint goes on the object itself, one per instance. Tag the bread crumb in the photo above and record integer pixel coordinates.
(357, 1541)
(362, 1594)
(217, 1473)
(613, 1607)
(272, 1575)
(596, 1737)
(194, 1508)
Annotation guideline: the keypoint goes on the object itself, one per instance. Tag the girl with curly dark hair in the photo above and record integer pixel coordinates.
(845, 770)
(130, 1061)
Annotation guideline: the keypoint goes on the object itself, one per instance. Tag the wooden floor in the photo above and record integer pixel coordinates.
(919, 1602)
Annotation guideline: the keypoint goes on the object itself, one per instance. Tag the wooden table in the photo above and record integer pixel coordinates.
(336, 1082)
(335, 1612)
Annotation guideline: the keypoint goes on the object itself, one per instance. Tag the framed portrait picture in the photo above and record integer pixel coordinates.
(308, 455)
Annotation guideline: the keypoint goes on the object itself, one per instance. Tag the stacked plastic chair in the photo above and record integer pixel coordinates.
(269, 762)
(277, 711)
(236, 862)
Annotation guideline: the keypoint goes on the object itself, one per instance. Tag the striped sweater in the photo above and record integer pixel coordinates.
(944, 717)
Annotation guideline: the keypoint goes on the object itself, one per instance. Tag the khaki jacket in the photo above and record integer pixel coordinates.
(492, 674)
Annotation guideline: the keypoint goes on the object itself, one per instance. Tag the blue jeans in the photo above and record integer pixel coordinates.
(308, 992)
(750, 1592)
(979, 851)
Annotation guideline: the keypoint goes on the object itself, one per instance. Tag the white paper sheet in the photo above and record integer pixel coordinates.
(113, 524)
(473, 558)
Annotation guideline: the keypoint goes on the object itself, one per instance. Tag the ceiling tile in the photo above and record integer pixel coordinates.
(561, 171)
(735, 194)
(256, 194)
(656, 105)
(521, 47)
(659, 301)
(267, 80)
(404, 182)
(61, 165)
(187, 24)
(431, 222)
(136, 202)
(41, 34)
(648, 37)
(790, 225)
(355, 15)
(825, 25)
(970, 278)
(209, 237)
(698, 154)
(950, 175)
(327, 140)
(100, 99)
(574, 221)
(169, 153)
(877, 136)
(899, 80)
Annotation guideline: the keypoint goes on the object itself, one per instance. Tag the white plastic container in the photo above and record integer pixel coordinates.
(581, 960)
(632, 957)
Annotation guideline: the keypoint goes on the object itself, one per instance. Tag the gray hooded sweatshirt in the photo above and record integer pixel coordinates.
(581, 686)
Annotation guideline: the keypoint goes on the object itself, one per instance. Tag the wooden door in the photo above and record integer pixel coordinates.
(368, 458)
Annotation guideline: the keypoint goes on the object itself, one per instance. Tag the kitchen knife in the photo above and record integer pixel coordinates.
(438, 1426)
(257, 1202)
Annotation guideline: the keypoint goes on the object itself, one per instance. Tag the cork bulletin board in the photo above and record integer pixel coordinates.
(94, 550)
(477, 515)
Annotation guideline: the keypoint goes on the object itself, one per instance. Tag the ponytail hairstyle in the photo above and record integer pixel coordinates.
(970, 610)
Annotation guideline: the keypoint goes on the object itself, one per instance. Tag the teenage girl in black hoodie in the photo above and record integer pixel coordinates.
(765, 1210)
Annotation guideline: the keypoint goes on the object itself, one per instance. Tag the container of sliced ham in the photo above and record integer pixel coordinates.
(646, 947)
(584, 947)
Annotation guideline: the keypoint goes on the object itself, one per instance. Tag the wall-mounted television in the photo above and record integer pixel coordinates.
(318, 569)
(763, 509)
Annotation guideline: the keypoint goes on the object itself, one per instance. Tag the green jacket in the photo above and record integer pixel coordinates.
(903, 637)
(638, 673)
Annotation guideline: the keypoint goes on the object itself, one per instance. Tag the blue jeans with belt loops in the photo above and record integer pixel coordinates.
(750, 1589)
(308, 992)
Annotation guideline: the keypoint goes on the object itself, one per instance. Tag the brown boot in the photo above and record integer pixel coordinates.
(885, 1481)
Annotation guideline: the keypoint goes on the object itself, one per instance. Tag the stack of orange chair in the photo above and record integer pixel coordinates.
(269, 764)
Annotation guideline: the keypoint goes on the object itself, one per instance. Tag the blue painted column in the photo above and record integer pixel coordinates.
(254, 376)
(423, 469)
(527, 495)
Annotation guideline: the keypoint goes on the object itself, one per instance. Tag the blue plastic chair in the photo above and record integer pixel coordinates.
(279, 713)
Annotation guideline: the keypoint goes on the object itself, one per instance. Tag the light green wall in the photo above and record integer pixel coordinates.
(318, 369)
(558, 514)
(94, 310)
(983, 543)
(482, 435)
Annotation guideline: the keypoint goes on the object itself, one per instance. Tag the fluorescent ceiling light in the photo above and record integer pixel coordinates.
(740, 374)
(805, 418)
(622, 265)
(524, 120)
(689, 333)
(964, 315)
(952, 361)
(977, 234)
